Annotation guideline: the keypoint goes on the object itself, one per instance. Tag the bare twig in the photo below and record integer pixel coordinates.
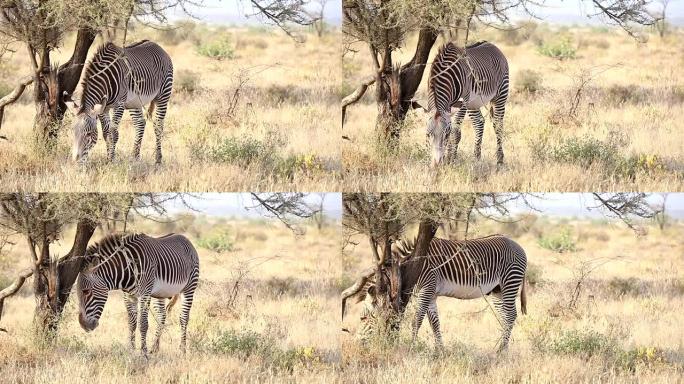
(14, 96)
(356, 95)
(14, 287)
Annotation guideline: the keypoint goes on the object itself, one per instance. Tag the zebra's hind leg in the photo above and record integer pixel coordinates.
(456, 134)
(498, 110)
(139, 123)
(434, 323)
(132, 309)
(161, 103)
(478, 124)
(508, 314)
(160, 311)
(144, 310)
(185, 316)
(114, 130)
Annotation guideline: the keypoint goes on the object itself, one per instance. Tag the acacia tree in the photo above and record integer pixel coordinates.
(384, 25)
(40, 26)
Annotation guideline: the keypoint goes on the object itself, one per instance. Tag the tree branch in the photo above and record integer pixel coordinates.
(14, 287)
(13, 96)
(356, 95)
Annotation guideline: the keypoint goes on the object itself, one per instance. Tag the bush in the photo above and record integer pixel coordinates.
(528, 81)
(584, 343)
(219, 48)
(560, 49)
(622, 287)
(219, 241)
(560, 242)
(533, 274)
(238, 150)
(583, 151)
(640, 356)
(289, 166)
(633, 94)
(243, 344)
(186, 81)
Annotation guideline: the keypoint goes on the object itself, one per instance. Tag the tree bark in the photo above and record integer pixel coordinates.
(69, 73)
(396, 86)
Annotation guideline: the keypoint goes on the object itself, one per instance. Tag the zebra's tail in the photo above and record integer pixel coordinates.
(171, 303)
(523, 296)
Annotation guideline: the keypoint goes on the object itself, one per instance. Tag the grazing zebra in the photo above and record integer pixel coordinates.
(144, 268)
(466, 80)
(122, 78)
(469, 269)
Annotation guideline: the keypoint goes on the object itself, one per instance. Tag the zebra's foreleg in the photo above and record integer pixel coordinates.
(434, 323)
(160, 311)
(139, 124)
(114, 128)
(106, 131)
(456, 134)
(144, 310)
(132, 309)
(478, 124)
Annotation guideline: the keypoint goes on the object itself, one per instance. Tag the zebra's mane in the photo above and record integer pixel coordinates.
(406, 245)
(439, 58)
(93, 253)
(92, 68)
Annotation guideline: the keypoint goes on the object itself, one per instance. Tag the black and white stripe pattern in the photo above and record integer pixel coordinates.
(466, 80)
(123, 78)
(144, 268)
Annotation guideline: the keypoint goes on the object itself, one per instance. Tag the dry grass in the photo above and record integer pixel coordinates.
(629, 111)
(289, 107)
(283, 327)
(625, 327)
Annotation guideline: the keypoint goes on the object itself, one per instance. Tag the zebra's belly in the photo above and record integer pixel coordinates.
(165, 289)
(461, 291)
(478, 101)
(137, 101)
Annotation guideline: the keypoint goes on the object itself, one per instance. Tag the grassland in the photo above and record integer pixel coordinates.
(281, 326)
(624, 135)
(625, 326)
(279, 133)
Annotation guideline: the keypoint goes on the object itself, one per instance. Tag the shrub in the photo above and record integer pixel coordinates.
(243, 344)
(309, 163)
(560, 49)
(622, 287)
(218, 241)
(583, 151)
(281, 286)
(634, 94)
(186, 81)
(584, 343)
(640, 356)
(533, 274)
(238, 150)
(560, 242)
(528, 81)
(219, 48)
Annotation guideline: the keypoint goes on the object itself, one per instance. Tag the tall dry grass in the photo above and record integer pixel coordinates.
(622, 329)
(626, 134)
(281, 327)
(281, 134)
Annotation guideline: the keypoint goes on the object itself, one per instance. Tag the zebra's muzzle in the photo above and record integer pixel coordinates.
(87, 325)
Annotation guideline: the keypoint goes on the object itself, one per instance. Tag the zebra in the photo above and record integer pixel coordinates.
(468, 269)
(465, 80)
(122, 78)
(144, 268)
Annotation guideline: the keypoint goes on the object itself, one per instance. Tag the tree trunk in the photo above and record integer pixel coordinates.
(50, 84)
(396, 87)
(53, 279)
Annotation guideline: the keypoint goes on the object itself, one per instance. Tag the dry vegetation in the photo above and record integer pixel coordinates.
(625, 326)
(623, 135)
(280, 131)
(280, 326)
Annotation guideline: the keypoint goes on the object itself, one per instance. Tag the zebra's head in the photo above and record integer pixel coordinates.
(438, 131)
(92, 296)
(85, 129)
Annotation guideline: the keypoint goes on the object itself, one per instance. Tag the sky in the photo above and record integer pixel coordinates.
(238, 204)
(552, 11)
(580, 205)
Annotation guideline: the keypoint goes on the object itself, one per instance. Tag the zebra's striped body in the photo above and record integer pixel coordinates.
(144, 268)
(466, 80)
(469, 269)
(123, 78)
